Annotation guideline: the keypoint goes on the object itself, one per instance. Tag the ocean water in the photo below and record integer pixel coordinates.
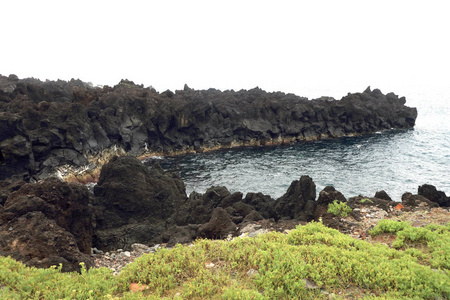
(396, 161)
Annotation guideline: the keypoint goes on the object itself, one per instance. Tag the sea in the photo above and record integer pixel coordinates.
(396, 161)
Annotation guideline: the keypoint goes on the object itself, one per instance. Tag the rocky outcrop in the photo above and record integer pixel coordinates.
(219, 226)
(326, 197)
(383, 195)
(413, 201)
(44, 125)
(299, 201)
(361, 201)
(54, 222)
(431, 193)
(48, 223)
(133, 203)
(137, 204)
(197, 209)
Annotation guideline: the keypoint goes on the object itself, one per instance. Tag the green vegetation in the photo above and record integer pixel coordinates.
(434, 241)
(339, 209)
(366, 200)
(270, 266)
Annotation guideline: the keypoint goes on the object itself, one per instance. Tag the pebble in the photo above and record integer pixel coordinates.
(310, 284)
(141, 248)
(96, 251)
(252, 273)
(117, 260)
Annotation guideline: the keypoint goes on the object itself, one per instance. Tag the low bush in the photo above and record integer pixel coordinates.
(270, 266)
(434, 241)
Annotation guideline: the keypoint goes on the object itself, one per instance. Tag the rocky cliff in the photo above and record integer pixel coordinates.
(44, 125)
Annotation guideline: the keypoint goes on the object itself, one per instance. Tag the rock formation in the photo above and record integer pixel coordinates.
(44, 125)
(326, 197)
(48, 127)
(136, 204)
(53, 222)
(133, 203)
(299, 201)
(410, 200)
(431, 193)
(48, 223)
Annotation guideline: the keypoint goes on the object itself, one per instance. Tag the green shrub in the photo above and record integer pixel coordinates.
(339, 209)
(279, 263)
(366, 200)
(434, 239)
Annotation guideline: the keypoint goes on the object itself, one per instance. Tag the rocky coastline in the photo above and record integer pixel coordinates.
(72, 128)
(53, 222)
(98, 133)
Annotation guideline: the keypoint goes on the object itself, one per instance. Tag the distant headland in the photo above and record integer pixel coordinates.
(51, 127)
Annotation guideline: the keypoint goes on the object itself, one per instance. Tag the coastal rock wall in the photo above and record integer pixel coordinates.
(44, 125)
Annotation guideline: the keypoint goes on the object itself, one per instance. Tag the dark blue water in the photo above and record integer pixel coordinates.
(394, 161)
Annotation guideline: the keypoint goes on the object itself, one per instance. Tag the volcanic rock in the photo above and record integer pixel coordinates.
(133, 203)
(382, 195)
(360, 201)
(122, 237)
(298, 202)
(44, 125)
(219, 226)
(7, 187)
(431, 193)
(263, 204)
(414, 201)
(252, 217)
(48, 223)
(198, 208)
(38, 241)
(326, 197)
(180, 234)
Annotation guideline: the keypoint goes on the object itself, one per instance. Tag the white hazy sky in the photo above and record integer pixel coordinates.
(310, 48)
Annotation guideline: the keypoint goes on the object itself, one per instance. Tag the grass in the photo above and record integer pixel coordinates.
(270, 266)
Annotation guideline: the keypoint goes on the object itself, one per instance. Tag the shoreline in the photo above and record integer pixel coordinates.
(49, 124)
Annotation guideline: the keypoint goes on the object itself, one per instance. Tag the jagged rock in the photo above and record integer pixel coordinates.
(298, 202)
(7, 187)
(243, 209)
(360, 201)
(219, 226)
(198, 208)
(47, 223)
(133, 203)
(252, 216)
(263, 204)
(39, 120)
(431, 193)
(38, 241)
(327, 196)
(382, 195)
(231, 199)
(413, 201)
(180, 234)
(129, 189)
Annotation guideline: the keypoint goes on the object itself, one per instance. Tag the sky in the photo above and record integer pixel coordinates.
(309, 48)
